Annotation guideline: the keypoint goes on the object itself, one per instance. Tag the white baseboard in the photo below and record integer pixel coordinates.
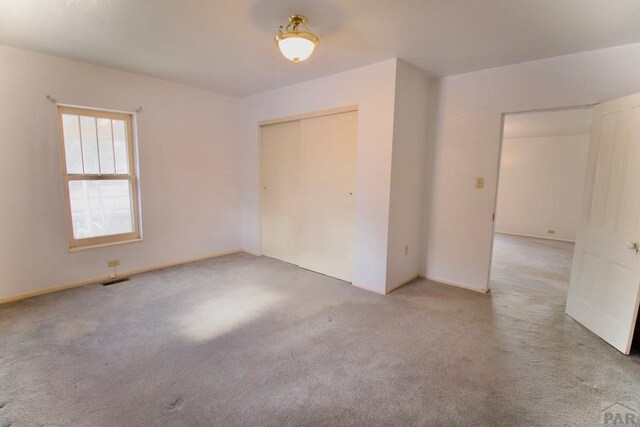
(534, 236)
(250, 252)
(369, 288)
(31, 294)
(402, 283)
(386, 291)
(457, 284)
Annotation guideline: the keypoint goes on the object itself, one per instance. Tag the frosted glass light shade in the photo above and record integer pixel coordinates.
(296, 46)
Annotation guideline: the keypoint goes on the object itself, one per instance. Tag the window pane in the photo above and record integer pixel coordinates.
(72, 150)
(89, 144)
(105, 146)
(120, 145)
(100, 208)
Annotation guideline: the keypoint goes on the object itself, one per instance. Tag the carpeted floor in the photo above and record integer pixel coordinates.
(241, 340)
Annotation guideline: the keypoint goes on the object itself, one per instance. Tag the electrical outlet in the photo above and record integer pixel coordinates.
(113, 263)
(551, 231)
(406, 250)
(480, 182)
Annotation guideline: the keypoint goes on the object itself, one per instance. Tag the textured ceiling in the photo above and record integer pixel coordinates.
(227, 46)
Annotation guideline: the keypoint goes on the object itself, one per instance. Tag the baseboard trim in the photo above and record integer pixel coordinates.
(535, 237)
(402, 283)
(250, 252)
(386, 291)
(368, 288)
(457, 284)
(76, 284)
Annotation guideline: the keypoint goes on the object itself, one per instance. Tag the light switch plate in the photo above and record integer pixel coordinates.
(480, 182)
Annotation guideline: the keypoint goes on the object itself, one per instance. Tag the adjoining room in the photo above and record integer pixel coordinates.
(541, 185)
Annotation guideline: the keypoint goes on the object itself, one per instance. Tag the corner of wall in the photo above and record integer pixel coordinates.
(430, 170)
(410, 140)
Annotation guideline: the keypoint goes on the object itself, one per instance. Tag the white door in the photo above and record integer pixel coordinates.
(327, 182)
(605, 277)
(280, 188)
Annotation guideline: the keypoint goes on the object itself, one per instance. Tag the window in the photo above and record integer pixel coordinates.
(99, 176)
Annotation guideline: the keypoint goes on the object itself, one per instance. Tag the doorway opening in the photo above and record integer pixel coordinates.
(635, 344)
(542, 174)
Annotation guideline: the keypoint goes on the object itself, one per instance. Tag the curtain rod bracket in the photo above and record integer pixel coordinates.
(139, 110)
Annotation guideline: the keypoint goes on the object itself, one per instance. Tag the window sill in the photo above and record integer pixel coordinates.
(102, 245)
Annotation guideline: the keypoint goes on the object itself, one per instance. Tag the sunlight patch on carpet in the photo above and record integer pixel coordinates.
(217, 316)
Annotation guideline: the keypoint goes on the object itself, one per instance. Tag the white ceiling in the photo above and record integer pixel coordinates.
(227, 46)
(548, 123)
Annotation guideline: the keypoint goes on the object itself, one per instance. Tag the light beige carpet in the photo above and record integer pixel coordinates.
(241, 340)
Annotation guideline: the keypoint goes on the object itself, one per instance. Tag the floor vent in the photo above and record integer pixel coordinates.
(114, 281)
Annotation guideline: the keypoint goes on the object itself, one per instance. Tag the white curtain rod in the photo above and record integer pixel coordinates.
(54, 101)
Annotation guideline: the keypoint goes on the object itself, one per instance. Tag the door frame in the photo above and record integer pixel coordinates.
(497, 187)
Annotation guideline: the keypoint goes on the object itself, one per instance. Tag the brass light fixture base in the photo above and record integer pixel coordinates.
(297, 20)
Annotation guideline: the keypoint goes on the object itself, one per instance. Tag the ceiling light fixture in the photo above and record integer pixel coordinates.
(296, 45)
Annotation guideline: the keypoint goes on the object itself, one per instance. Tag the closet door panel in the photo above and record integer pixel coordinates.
(327, 182)
(280, 190)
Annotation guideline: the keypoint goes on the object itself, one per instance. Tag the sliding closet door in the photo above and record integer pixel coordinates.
(280, 190)
(327, 182)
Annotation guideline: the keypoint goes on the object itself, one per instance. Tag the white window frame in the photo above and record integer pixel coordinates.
(131, 177)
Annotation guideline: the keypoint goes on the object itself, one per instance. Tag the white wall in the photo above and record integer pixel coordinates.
(372, 88)
(410, 140)
(468, 140)
(189, 167)
(541, 185)
(193, 142)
